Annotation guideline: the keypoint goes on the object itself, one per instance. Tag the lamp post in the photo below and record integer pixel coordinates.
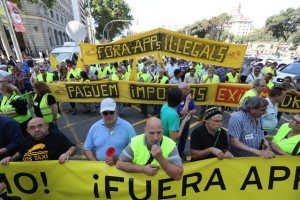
(116, 20)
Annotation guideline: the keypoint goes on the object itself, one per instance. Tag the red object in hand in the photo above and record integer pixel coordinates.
(110, 151)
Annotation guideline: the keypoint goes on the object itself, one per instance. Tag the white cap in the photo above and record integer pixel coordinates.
(107, 104)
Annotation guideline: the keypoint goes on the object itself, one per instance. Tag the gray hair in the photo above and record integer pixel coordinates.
(182, 85)
(253, 102)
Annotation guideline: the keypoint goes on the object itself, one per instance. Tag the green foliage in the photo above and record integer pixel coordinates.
(284, 24)
(104, 11)
(213, 28)
(295, 39)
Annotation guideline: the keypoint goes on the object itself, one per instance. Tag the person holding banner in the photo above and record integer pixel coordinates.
(45, 76)
(110, 131)
(149, 152)
(287, 139)
(209, 140)
(245, 130)
(42, 144)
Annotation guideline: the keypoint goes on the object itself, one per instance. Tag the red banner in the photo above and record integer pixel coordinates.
(16, 17)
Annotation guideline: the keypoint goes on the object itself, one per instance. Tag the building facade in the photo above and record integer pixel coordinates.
(239, 24)
(45, 27)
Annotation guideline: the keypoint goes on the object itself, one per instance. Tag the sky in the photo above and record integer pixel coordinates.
(149, 14)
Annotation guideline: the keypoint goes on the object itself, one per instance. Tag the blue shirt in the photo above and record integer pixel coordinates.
(192, 105)
(242, 127)
(10, 135)
(100, 138)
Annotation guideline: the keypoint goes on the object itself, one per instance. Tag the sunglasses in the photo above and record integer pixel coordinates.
(42, 70)
(294, 120)
(108, 112)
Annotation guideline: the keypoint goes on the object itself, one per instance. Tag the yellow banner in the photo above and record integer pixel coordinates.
(239, 178)
(169, 43)
(223, 94)
(53, 61)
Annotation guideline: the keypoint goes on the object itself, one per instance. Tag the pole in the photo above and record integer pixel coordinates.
(116, 20)
(4, 40)
(12, 32)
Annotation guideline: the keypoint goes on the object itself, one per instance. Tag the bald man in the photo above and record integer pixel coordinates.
(41, 144)
(149, 152)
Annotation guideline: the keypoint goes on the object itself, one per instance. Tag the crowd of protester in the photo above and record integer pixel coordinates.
(163, 143)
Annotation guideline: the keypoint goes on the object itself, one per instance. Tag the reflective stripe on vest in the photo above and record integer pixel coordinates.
(6, 107)
(46, 110)
(286, 144)
(141, 152)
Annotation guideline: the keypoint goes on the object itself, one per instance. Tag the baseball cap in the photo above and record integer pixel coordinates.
(107, 104)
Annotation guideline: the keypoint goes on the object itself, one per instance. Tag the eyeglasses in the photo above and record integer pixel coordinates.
(108, 112)
(217, 121)
(256, 71)
(262, 85)
(294, 120)
(186, 88)
(39, 126)
(42, 70)
(267, 77)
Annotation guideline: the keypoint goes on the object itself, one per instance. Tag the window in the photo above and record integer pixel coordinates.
(56, 38)
(51, 12)
(57, 17)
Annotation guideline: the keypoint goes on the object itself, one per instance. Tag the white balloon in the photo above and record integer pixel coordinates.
(76, 31)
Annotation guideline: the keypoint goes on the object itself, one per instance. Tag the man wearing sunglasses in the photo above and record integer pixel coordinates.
(111, 132)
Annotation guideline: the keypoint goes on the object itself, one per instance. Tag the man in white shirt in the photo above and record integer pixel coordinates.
(254, 75)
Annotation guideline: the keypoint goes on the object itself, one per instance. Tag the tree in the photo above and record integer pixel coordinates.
(284, 24)
(295, 39)
(104, 11)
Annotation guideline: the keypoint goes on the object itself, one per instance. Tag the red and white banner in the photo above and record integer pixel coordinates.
(16, 17)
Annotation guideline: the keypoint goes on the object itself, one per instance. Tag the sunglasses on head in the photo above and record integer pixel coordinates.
(108, 112)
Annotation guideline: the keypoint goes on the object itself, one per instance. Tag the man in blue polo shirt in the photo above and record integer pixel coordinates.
(111, 132)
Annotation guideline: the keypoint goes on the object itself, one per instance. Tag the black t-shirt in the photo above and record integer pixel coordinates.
(201, 139)
(36, 104)
(49, 148)
(20, 106)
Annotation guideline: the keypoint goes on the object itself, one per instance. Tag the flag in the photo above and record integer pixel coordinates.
(79, 63)
(53, 61)
(16, 17)
(133, 71)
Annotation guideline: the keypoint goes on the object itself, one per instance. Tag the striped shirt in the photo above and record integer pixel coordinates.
(242, 127)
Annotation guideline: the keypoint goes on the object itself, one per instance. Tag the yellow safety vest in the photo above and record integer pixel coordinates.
(214, 79)
(270, 85)
(162, 81)
(49, 77)
(46, 110)
(76, 73)
(286, 144)
(269, 70)
(146, 78)
(102, 72)
(249, 93)
(141, 152)
(6, 107)
(233, 79)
